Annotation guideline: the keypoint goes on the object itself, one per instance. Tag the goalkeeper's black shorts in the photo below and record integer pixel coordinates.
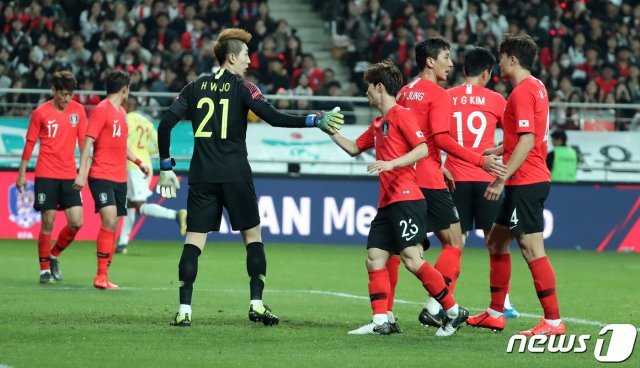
(206, 201)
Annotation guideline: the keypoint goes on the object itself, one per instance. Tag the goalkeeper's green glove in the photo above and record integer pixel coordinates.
(168, 182)
(329, 122)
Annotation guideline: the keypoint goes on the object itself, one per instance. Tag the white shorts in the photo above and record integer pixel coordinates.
(137, 186)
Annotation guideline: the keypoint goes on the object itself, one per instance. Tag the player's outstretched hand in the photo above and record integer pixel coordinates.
(493, 151)
(494, 189)
(146, 170)
(448, 180)
(167, 184)
(21, 182)
(493, 165)
(330, 122)
(379, 166)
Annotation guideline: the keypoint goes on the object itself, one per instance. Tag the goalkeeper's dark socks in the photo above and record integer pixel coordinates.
(65, 238)
(44, 250)
(392, 267)
(379, 291)
(256, 268)
(499, 277)
(104, 245)
(187, 272)
(545, 282)
(448, 264)
(433, 282)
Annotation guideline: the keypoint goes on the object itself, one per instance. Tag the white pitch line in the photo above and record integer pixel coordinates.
(580, 321)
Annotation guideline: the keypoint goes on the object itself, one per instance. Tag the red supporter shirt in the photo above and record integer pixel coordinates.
(394, 136)
(108, 127)
(475, 113)
(527, 111)
(430, 103)
(58, 133)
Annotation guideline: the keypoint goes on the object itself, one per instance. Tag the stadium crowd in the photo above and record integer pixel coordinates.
(590, 50)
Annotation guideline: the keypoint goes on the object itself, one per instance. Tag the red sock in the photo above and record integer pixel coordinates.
(44, 250)
(434, 284)
(113, 250)
(379, 290)
(499, 277)
(545, 281)
(104, 244)
(65, 238)
(448, 264)
(392, 266)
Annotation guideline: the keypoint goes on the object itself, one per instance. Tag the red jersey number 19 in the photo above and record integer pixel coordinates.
(478, 132)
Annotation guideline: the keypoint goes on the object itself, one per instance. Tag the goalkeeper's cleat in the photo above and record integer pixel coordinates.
(55, 269)
(543, 328)
(484, 320)
(121, 249)
(47, 278)
(181, 320)
(433, 320)
(511, 312)
(451, 325)
(181, 219)
(395, 328)
(103, 282)
(372, 329)
(263, 315)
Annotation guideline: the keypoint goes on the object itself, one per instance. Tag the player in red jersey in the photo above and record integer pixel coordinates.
(527, 184)
(475, 113)
(430, 103)
(399, 225)
(58, 123)
(107, 134)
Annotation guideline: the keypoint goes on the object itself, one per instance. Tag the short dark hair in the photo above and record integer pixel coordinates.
(387, 73)
(560, 135)
(115, 80)
(477, 60)
(522, 47)
(230, 41)
(430, 48)
(64, 81)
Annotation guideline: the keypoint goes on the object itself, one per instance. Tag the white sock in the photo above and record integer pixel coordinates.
(257, 304)
(53, 257)
(507, 303)
(184, 309)
(379, 319)
(433, 306)
(553, 322)
(453, 311)
(390, 317)
(42, 272)
(493, 313)
(156, 210)
(127, 226)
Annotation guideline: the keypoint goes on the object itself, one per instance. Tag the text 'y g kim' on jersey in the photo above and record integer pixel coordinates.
(430, 104)
(217, 105)
(58, 132)
(475, 113)
(527, 111)
(108, 127)
(393, 136)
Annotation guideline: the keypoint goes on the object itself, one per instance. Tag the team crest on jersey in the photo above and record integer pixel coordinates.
(21, 210)
(74, 119)
(385, 128)
(103, 198)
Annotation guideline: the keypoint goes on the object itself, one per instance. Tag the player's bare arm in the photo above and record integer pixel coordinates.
(21, 182)
(83, 172)
(498, 150)
(347, 145)
(448, 179)
(490, 164)
(416, 154)
(143, 167)
(524, 146)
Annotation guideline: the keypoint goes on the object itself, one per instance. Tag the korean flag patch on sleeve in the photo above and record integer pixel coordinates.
(419, 134)
(523, 123)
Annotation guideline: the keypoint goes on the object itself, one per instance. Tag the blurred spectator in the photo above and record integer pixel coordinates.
(334, 89)
(311, 70)
(605, 80)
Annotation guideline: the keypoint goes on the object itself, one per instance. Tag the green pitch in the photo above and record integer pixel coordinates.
(319, 292)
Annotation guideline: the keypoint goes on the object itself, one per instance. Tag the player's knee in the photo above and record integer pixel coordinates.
(47, 225)
(75, 225)
(110, 224)
(412, 264)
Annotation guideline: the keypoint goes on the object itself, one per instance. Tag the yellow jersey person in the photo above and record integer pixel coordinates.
(143, 141)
